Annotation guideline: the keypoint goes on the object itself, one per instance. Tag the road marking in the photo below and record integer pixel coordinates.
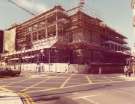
(26, 98)
(37, 83)
(18, 95)
(4, 89)
(22, 86)
(89, 80)
(127, 78)
(50, 89)
(30, 99)
(91, 101)
(84, 97)
(18, 82)
(78, 86)
(107, 78)
(23, 98)
(34, 85)
(66, 81)
(61, 77)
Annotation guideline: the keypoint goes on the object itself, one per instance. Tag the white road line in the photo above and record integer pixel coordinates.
(91, 101)
(65, 82)
(107, 78)
(32, 86)
(89, 80)
(84, 97)
(35, 84)
(79, 85)
(22, 86)
(18, 82)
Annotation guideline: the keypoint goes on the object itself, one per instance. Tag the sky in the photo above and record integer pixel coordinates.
(115, 13)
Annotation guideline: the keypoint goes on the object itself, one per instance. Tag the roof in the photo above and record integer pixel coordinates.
(60, 7)
(44, 13)
(117, 33)
(99, 21)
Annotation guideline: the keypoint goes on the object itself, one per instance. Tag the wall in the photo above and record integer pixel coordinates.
(54, 67)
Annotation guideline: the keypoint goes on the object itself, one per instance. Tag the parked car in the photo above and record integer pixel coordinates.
(7, 71)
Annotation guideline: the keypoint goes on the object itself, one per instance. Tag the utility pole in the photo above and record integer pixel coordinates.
(133, 50)
(133, 9)
(56, 23)
(81, 4)
(24, 9)
(78, 7)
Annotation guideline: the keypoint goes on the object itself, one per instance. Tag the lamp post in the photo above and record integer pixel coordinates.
(21, 59)
(20, 64)
(49, 60)
(41, 59)
(5, 63)
(132, 65)
(56, 52)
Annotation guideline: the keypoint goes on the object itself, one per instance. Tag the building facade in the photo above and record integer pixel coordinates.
(1, 40)
(62, 42)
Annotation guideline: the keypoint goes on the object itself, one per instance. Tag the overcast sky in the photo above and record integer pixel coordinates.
(115, 13)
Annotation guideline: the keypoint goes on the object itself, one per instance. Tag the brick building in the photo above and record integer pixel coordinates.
(74, 42)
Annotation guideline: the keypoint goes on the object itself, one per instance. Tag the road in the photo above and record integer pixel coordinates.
(31, 86)
(117, 93)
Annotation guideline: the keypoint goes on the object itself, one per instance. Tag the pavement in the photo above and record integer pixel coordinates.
(9, 97)
(127, 78)
(36, 87)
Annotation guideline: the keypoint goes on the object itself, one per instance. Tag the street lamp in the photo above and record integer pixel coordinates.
(41, 58)
(132, 64)
(21, 58)
(56, 52)
(49, 60)
(5, 62)
(20, 63)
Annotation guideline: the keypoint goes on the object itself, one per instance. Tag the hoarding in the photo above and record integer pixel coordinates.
(9, 40)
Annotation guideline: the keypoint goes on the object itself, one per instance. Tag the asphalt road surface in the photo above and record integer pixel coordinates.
(116, 93)
(25, 86)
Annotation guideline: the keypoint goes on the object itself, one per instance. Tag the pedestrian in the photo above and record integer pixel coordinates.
(125, 70)
(129, 73)
(100, 70)
(38, 67)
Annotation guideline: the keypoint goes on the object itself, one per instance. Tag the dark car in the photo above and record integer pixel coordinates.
(9, 72)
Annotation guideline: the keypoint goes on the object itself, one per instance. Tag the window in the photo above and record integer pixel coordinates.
(35, 27)
(28, 37)
(29, 29)
(41, 34)
(34, 36)
(42, 24)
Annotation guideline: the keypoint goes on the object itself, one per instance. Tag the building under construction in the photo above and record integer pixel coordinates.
(60, 41)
